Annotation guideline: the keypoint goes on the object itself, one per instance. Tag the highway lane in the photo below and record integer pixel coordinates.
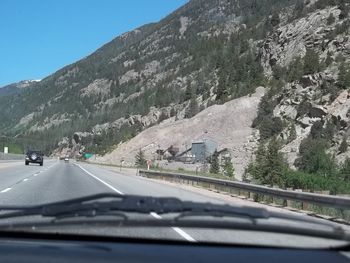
(129, 184)
(57, 180)
(12, 173)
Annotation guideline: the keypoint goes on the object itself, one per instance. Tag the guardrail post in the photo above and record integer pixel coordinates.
(274, 200)
(288, 203)
(305, 205)
(251, 196)
(302, 203)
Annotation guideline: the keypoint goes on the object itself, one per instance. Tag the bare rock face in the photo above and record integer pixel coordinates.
(287, 42)
(292, 40)
(285, 111)
(303, 102)
(100, 87)
(64, 142)
(228, 124)
(340, 108)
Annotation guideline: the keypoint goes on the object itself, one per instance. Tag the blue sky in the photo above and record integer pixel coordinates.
(38, 37)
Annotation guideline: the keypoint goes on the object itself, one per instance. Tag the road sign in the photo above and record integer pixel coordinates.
(88, 155)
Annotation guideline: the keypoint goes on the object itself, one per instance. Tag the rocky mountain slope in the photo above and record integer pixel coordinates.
(314, 52)
(15, 88)
(228, 124)
(207, 52)
(144, 76)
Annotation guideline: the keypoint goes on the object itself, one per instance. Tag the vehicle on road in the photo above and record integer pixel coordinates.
(33, 156)
(66, 160)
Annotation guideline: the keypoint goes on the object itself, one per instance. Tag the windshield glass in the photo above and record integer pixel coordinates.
(192, 120)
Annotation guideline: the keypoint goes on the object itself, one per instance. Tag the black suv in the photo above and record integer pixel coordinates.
(34, 157)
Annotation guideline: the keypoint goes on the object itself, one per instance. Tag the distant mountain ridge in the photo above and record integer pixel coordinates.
(15, 88)
(206, 52)
(134, 81)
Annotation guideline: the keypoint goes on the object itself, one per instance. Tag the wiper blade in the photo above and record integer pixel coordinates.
(132, 203)
(145, 205)
(54, 209)
(183, 213)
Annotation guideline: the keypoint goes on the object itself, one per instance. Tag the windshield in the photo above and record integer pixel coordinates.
(191, 120)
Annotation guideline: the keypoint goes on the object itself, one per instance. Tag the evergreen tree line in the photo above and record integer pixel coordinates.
(320, 173)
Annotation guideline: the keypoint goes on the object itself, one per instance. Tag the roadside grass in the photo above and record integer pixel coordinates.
(194, 173)
(160, 169)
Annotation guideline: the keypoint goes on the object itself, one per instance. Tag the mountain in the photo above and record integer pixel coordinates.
(215, 122)
(139, 78)
(17, 87)
(205, 53)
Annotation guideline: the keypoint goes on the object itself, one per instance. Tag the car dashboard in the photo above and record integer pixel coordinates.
(66, 248)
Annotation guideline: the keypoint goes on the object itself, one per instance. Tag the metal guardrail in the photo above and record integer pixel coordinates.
(11, 156)
(312, 198)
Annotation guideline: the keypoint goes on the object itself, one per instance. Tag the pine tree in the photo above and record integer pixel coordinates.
(278, 72)
(260, 155)
(275, 19)
(311, 62)
(228, 167)
(222, 92)
(140, 160)
(345, 170)
(257, 168)
(344, 10)
(188, 92)
(193, 108)
(295, 70)
(269, 164)
(172, 112)
(214, 164)
(329, 59)
(314, 159)
(275, 163)
(343, 147)
(344, 76)
(330, 19)
(299, 8)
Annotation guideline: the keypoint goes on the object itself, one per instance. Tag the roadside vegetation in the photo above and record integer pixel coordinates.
(317, 169)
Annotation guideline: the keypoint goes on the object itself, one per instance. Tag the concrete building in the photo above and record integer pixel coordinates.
(203, 149)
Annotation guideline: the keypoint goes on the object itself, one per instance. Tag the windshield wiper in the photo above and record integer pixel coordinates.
(131, 203)
(183, 213)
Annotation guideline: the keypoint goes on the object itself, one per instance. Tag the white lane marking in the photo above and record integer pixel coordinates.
(176, 229)
(98, 179)
(6, 190)
(25, 180)
(184, 234)
(44, 170)
(155, 215)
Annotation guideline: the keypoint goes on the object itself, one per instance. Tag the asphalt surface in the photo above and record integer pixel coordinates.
(57, 181)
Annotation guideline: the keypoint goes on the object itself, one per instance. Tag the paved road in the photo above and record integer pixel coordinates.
(57, 180)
